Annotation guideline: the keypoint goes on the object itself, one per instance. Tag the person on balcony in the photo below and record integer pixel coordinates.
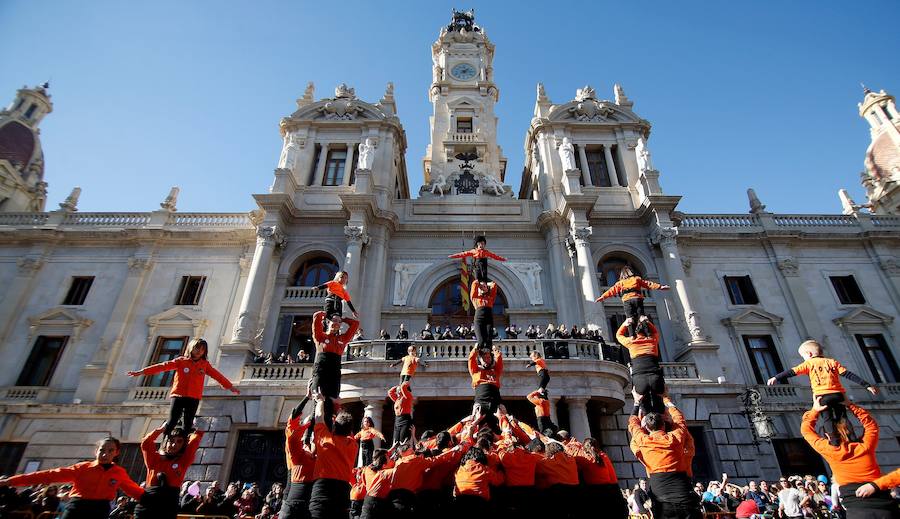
(630, 287)
(481, 255)
(187, 388)
(330, 345)
(646, 373)
(336, 295)
(384, 336)
(402, 333)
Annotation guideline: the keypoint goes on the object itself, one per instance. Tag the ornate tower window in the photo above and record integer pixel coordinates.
(464, 125)
(334, 168)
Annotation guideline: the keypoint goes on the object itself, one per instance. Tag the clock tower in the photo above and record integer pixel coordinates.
(463, 94)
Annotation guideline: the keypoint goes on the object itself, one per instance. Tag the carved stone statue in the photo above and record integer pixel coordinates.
(567, 154)
(405, 275)
(643, 156)
(756, 206)
(440, 186)
(70, 204)
(491, 183)
(289, 152)
(169, 204)
(342, 91)
(366, 153)
(437, 73)
(583, 94)
(529, 273)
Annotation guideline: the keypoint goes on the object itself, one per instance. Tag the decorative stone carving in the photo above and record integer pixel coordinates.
(529, 273)
(621, 98)
(466, 183)
(356, 233)
(890, 266)
(582, 234)
(290, 151)
(643, 155)
(29, 265)
(686, 264)
(541, 93)
(567, 154)
(70, 204)
(139, 264)
(489, 184)
(756, 206)
(366, 153)
(440, 185)
(344, 106)
(268, 235)
(256, 216)
(342, 91)
(58, 321)
(169, 204)
(588, 108)
(693, 322)
(463, 21)
(244, 263)
(664, 236)
(308, 95)
(586, 93)
(242, 325)
(405, 274)
(788, 267)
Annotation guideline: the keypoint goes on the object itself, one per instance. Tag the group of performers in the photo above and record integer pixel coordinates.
(492, 461)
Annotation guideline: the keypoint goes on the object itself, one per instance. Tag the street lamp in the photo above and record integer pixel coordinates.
(763, 428)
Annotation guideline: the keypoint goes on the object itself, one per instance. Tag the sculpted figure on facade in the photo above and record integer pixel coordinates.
(529, 273)
(567, 154)
(489, 183)
(171, 201)
(440, 185)
(405, 274)
(367, 153)
(643, 156)
(289, 152)
(344, 106)
(70, 204)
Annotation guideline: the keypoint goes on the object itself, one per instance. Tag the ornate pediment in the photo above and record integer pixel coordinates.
(864, 316)
(63, 321)
(591, 110)
(753, 317)
(344, 106)
(177, 320)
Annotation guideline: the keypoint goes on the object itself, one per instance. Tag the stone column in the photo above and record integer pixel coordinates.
(320, 166)
(553, 414)
(610, 165)
(245, 328)
(374, 409)
(587, 275)
(17, 293)
(584, 167)
(348, 165)
(578, 420)
(96, 374)
(356, 238)
(808, 322)
(375, 283)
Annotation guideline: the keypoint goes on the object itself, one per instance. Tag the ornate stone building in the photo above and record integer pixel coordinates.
(90, 296)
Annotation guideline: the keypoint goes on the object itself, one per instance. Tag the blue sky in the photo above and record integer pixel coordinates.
(741, 94)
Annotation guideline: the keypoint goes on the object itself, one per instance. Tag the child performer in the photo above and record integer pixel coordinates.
(629, 287)
(366, 438)
(187, 389)
(482, 295)
(330, 345)
(94, 483)
(337, 293)
(824, 377)
(542, 411)
(165, 471)
(481, 255)
(301, 463)
(410, 364)
(540, 365)
(403, 401)
(646, 373)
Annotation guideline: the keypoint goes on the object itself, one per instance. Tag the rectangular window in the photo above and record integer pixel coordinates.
(315, 166)
(78, 290)
(463, 125)
(42, 362)
(597, 165)
(740, 290)
(847, 290)
(167, 348)
(795, 456)
(10, 456)
(190, 290)
(30, 111)
(879, 358)
(763, 357)
(334, 168)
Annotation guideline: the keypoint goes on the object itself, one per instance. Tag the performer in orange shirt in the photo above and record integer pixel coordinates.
(486, 368)
(187, 389)
(337, 292)
(472, 483)
(165, 471)
(377, 478)
(482, 294)
(852, 463)
(403, 401)
(481, 255)
(542, 412)
(300, 463)
(335, 451)
(824, 377)
(540, 366)
(94, 483)
(630, 287)
(646, 373)
(598, 479)
(330, 345)
(366, 438)
(885, 482)
(410, 364)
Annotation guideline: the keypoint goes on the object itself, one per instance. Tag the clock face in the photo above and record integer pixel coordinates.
(463, 71)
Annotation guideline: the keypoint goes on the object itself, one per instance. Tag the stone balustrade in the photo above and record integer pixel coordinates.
(806, 223)
(303, 294)
(116, 221)
(146, 394)
(210, 220)
(458, 349)
(23, 219)
(464, 137)
(815, 220)
(680, 371)
(30, 394)
(714, 221)
(277, 371)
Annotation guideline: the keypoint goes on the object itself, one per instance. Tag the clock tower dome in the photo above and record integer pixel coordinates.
(463, 94)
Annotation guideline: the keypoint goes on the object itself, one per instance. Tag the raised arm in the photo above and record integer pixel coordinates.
(220, 378)
(808, 430)
(856, 378)
(473, 361)
(612, 291)
(318, 326)
(491, 255)
(464, 254)
(352, 326)
(42, 477)
(169, 365)
(148, 444)
(650, 285)
(870, 426)
(623, 339)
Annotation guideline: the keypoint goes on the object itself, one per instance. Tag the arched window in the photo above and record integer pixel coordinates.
(314, 271)
(609, 267)
(446, 306)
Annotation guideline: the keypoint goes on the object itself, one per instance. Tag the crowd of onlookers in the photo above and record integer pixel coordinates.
(267, 357)
(512, 331)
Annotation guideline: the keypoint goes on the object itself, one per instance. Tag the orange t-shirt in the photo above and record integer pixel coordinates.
(332, 342)
(592, 473)
(403, 399)
(439, 475)
(824, 375)
(189, 376)
(889, 480)
(640, 345)
(485, 376)
(539, 365)
(338, 289)
(519, 466)
(301, 463)
(629, 288)
(659, 451)
(541, 405)
(358, 488)
(174, 468)
(477, 254)
(368, 433)
(410, 364)
(483, 297)
(378, 482)
(560, 469)
(475, 479)
(852, 462)
(335, 455)
(90, 480)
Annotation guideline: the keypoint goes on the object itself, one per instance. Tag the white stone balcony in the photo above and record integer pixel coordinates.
(148, 395)
(463, 138)
(786, 223)
(25, 394)
(115, 221)
(303, 295)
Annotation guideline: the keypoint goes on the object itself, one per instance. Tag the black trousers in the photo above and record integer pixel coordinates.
(543, 378)
(355, 508)
(334, 305)
(835, 414)
(672, 496)
(484, 327)
(327, 379)
(403, 503)
(159, 502)
(544, 423)
(648, 380)
(435, 504)
(664, 510)
(480, 269)
(402, 428)
(610, 496)
(405, 378)
(182, 407)
(296, 501)
(329, 499)
(86, 509)
(488, 396)
(634, 308)
(470, 506)
(367, 447)
(375, 508)
(877, 506)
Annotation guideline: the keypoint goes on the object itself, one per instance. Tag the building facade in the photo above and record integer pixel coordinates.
(90, 296)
